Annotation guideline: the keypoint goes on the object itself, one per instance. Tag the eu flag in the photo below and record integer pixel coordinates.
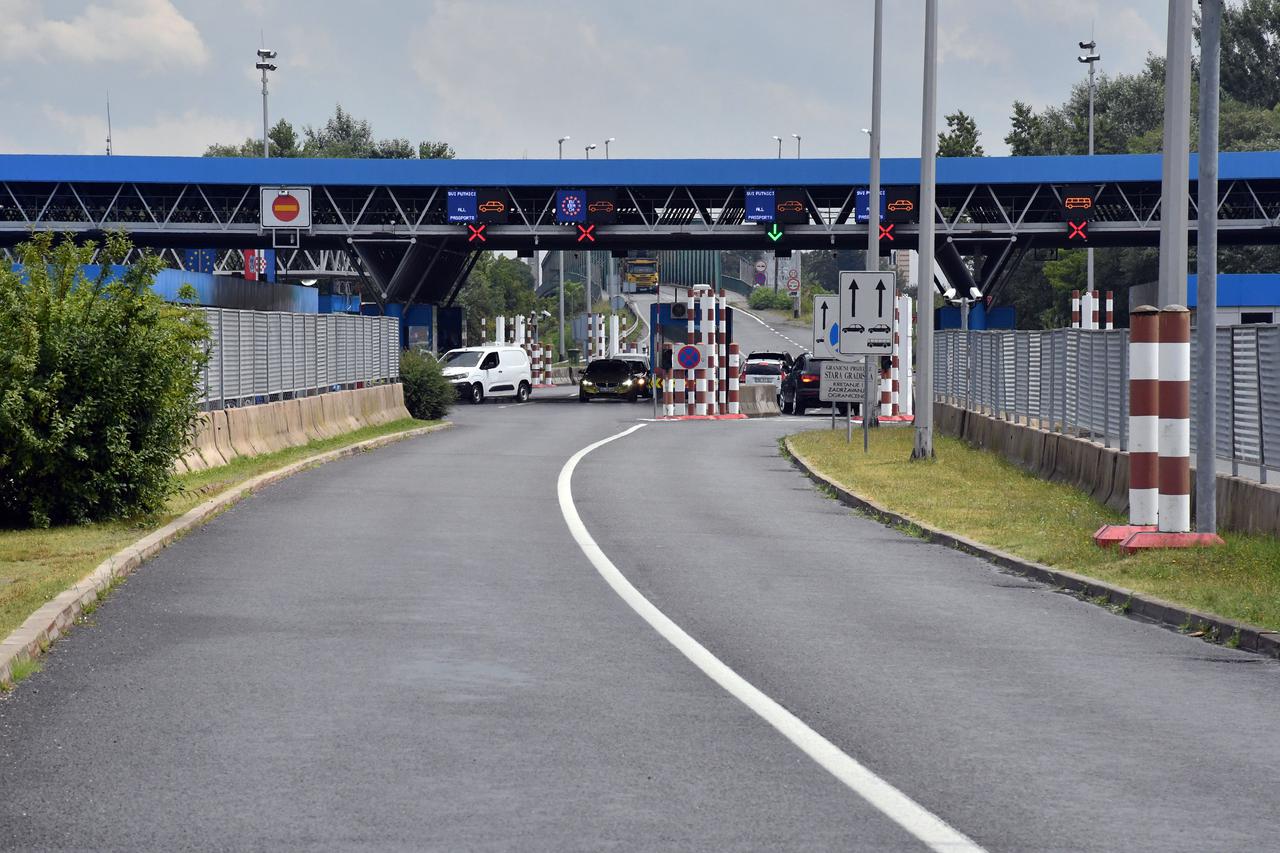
(199, 260)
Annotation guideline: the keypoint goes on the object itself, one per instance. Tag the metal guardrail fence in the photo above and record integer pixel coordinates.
(261, 355)
(1077, 381)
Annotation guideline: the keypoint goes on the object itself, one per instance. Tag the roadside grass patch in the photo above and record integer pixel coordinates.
(980, 495)
(22, 669)
(37, 564)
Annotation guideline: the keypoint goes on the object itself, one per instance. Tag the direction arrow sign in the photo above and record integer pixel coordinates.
(826, 327)
(866, 315)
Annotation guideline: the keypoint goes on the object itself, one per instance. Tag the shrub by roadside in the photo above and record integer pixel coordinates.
(99, 385)
(764, 298)
(427, 394)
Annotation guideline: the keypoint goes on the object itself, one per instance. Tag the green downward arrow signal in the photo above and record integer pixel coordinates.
(775, 233)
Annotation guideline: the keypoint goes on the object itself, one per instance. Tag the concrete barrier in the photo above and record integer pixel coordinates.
(226, 434)
(1101, 472)
(758, 401)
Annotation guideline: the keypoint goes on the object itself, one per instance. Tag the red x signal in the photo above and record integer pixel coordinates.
(477, 233)
(886, 232)
(585, 233)
(1078, 230)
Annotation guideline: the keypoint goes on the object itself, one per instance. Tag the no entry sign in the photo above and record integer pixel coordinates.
(286, 207)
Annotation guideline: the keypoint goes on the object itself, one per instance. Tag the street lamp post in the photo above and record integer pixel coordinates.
(606, 146)
(923, 447)
(779, 138)
(560, 142)
(1089, 59)
(264, 65)
(797, 137)
(589, 149)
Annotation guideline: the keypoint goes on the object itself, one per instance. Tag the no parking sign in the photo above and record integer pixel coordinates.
(688, 356)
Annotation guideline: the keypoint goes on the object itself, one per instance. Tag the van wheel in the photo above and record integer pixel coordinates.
(477, 393)
(522, 393)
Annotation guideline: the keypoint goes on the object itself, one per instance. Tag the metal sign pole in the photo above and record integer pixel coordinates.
(923, 447)
(873, 198)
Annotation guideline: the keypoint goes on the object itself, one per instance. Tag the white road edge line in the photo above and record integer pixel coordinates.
(897, 806)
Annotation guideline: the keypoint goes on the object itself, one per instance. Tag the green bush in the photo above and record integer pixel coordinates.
(427, 394)
(99, 385)
(766, 297)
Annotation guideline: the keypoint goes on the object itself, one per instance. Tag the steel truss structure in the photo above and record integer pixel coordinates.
(387, 224)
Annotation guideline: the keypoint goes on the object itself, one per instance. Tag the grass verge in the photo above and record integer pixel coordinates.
(36, 565)
(981, 496)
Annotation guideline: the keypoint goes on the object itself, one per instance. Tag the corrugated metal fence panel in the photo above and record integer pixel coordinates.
(324, 361)
(1222, 397)
(261, 354)
(213, 370)
(393, 346)
(310, 328)
(1269, 374)
(1245, 392)
(275, 355)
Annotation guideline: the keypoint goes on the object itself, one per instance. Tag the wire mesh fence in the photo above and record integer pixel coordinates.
(261, 355)
(1076, 381)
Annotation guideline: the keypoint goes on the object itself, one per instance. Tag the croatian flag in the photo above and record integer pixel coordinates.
(260, 265)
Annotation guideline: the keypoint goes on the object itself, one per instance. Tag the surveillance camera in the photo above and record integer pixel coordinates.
(266, 54)
(975, 293)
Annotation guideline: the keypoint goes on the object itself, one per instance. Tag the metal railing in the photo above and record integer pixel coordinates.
(262, 355)
(1077, 381)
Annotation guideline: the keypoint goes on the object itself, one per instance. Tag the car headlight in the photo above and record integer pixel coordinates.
(588, 386)
(626, 384)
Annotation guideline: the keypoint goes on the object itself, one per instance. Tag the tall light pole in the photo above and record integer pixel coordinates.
(1207, 269)
(873, 198)
(560, 142)
(797, 138)
(589, 149)
(779, 138)
(606, 146)
(923, 448)
(560, 156)
(264, 65)
(1172, 287)
(1089, 58)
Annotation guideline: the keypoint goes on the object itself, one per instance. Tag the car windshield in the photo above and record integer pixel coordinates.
(607, 370)
(462, 358)
(638, 366)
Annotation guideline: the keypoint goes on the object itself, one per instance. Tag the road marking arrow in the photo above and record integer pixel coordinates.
(880, 308)
(853, 297)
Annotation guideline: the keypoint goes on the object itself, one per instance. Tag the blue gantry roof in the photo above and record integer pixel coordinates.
(570, 173)
(1241, 290)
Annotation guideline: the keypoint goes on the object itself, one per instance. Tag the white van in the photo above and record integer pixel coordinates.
(489, 371)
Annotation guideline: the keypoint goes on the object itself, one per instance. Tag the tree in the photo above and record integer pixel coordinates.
(1251, 52)
(1023, 137)
(283, 138)
(961, 137)
(341, 136)
(99, 384)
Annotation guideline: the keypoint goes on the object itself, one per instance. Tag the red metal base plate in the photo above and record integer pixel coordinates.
(1148, 539)
(1113, 534)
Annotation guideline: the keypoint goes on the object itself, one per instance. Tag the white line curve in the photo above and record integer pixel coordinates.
(921, 823)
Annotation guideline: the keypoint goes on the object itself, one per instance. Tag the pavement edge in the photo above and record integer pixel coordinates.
(34, 636)
(1250, 638)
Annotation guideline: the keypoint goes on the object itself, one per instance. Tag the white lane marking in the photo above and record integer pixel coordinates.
(897, 806)
(772, 329)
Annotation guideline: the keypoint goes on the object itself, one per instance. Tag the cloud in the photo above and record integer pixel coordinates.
(188, 133)
(148, 32)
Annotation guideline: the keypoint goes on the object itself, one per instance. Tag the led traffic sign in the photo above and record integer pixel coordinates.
(571, 207)
(461, 206)
(492, 207)
(1077, 210)
(759, 205)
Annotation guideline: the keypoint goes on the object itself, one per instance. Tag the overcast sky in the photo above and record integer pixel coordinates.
(505, 78)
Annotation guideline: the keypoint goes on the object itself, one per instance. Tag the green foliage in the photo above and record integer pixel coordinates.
(1251, 52)
(821, 269)
(961, 137)
(502, 286)
(763, 298)
(99, 384)
(427, 394)
(341, 136)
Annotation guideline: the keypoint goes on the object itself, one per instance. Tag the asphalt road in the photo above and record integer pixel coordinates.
(408, 650)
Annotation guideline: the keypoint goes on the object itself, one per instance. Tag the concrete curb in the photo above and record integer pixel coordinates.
(30, 639)
(1216, 628)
